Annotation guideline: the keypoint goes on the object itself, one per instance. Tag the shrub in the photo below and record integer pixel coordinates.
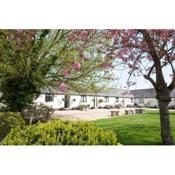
(170, 107)
(62, 109)
(129, 106)
(58, 132)
(4, 108)
(9, 120)
(108, 107)
(82, 107)
(118, 106)
(100, 100)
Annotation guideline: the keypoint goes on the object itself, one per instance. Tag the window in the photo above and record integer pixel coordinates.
(141, 100)
(132, 100)
(123, 100)
(49, 97)
(83, 98)
(106, 99)
(117, 99)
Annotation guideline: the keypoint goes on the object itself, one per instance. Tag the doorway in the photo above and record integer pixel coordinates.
(67, 101)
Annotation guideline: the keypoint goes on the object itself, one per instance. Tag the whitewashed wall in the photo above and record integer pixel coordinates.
(101, 104)
(90, 101)
(172, 101)
(147, 101)
(128, 101)
(112, 101)
(56, 104)
(75, 101)
(152, 102)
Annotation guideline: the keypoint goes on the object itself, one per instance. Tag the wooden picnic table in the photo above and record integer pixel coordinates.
(114, 113)
(139, 111)
(129, 111)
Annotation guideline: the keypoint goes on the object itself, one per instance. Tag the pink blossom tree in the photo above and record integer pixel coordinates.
(31, 59)
(147, 52)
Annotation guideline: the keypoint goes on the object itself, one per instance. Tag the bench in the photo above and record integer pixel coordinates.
(127, 112)
(114, 113)
(139, 111)
(31, 115)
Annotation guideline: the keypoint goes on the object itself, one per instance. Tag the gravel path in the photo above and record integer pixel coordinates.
(93, 114)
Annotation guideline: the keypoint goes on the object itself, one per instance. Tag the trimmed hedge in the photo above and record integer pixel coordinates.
(58, 132)
(9, 120)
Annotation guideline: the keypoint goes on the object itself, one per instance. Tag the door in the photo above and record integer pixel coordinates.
(67, 101)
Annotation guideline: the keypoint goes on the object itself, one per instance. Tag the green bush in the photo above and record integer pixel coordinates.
(82, 107)
(58, 132)
(100, 100)
(4, 109)
(9, 120)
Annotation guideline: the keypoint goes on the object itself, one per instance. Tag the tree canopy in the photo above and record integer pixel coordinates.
(31, 59)
(147, 52)
(80, 59)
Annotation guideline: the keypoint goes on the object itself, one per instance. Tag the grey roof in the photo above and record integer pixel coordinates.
(46, 90)
(112, 93)
(147, 93)
(117, 93)
(144, 93)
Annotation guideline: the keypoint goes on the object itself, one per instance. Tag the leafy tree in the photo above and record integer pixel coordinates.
(31, 59)
(147, 52)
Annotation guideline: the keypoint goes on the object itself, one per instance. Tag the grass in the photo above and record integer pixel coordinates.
(139, 129)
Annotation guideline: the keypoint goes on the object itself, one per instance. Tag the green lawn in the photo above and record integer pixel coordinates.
(140, 129)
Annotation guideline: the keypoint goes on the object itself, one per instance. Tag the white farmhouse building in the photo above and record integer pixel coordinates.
(147, 97)
(57, 100)
(141, 97)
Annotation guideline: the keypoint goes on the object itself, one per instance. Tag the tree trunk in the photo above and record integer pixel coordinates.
(165, 123)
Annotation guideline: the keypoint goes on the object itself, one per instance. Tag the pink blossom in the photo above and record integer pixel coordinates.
(79, 49)
(173, 42)
(71, 37)
(10, 37)
(125, 60)
(83, 33)
(29, 37)
(132, 32)
(20, 46)
(66, 72)
(62, 87)
(116, 40)
(76, 65)
(19, 30)
(105, 65)
(130, 65)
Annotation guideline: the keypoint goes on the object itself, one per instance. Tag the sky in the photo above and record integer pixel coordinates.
(141, 83)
